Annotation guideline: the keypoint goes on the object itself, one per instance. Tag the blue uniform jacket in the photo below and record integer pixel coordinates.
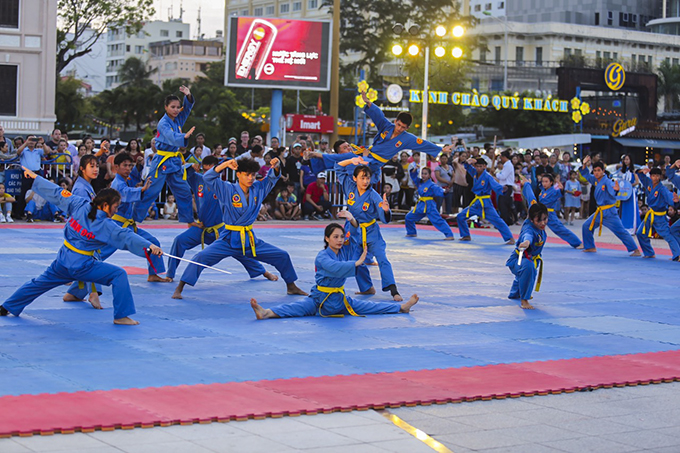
(673, 176)
(483, 184)
(384, 146)
(170, 138)
(658, 197)
(549, 197)
(426, 189)
(209, 210)
(365, 207)
(604, 188)
(330, 160)
(536, 238)
(84, 233)
(129, 195)
(332, 271)
(82, 188)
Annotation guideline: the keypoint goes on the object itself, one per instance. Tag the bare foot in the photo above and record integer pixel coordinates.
(449, 238)
(579, 247)
(397, 298)
(593, 250)
(466, 238)
(269, 276)
(369, 292)
(178, 291)
(510, 242)
(636, 253)
(262, 313)
(406, 307)
(158, 279)
(293, 290)
(68, 297)
(94, 301)
(526, 305)
(651, 256)
(411, 235)
(372, 263)
(125, 322)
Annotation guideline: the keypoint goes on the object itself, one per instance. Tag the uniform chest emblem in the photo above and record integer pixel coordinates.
(365, 206)
(200, 191)
(656, 194)
(425, 189)
(483, 182)
(236, 201)
(398, 144)
(350, 199)
(383, 135)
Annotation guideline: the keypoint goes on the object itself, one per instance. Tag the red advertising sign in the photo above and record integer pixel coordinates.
(278, 53)
(310, 123)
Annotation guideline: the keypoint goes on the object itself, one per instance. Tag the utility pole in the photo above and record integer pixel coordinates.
(335, 70)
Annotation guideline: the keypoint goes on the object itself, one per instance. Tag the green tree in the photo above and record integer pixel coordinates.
(133, 72)
(71, 105)
(669, 85)
(83, 22)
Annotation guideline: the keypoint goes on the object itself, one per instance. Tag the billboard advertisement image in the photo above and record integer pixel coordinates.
(278, 53)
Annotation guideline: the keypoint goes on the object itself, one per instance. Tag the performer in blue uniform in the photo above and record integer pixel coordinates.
(88, 170)
(530, 245)
(367, 207)
(241, 202)
(674, 178)
(334, 265)
(88, 229)
(550, 197)
(130, 195)
(209, 226)
(426, 206)
(605, 197)
(658, 200)
(481, 205)
(168, 163)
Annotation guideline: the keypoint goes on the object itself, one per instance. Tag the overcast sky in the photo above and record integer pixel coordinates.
(212, 14)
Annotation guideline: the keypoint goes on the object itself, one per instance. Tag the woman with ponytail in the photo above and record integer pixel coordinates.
(88, 230)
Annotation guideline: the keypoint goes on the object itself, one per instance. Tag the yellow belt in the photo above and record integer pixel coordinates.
(70, 246)
(481, 200)
(329, 291)
(424, 200)
(360, 151)
(126, 222)
(551, 210)
(600, 210)
(651, 214)
(167, 155)
(363, 227)
(213, 229)
(536, 260)
(243, 230)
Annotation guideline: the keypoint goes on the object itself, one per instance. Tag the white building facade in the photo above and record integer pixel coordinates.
(28, 35)
(91, 67)
(186, 59)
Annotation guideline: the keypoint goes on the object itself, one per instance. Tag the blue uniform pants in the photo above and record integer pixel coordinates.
(561, 231)
(47, 212)
(92, 271)
(219, 250)
(376, 247)
(309, 306)
(490, 214)
(180, 189)
(660, 224)
(675, 231)
(192, 238)
(525, 277)
(611, 220)
(435, 218)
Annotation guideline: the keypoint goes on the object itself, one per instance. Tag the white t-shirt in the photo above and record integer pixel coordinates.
(506, 177)
(248, 155)
(39, 201)
(148, 156)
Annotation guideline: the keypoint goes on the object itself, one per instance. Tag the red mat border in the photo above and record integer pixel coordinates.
(65, 413)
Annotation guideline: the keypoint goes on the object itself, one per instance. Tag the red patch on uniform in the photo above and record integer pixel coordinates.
(419, 141)
(164, 167)
(398, 144)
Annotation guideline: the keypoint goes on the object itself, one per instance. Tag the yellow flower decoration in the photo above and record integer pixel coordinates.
(576, 116)
(585, 108)
(575, 103)
(359, 101)
(362, 86)
(372, 95)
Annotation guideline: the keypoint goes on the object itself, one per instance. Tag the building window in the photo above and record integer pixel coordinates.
(127, 48)
(258, 11)
(284, 8)
(140, 50)
(597, 18)
(539, 56)
(676, 62)
(607, 55)
(165, 33)
(482, 55)
(9, 13)
(488, 7)
(297, 6)
(199, 50)
(478, 8)
(501, 5)
(567, 52)
(519, 56)
(213, 51)
(497, 54)
(313, 4)
(178, 34)
(610, 18)
(8, 90)
(244, 12)
(579, 52)
(270, 10)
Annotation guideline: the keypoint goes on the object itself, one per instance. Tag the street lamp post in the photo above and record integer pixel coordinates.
(426, 96)
(505, 64)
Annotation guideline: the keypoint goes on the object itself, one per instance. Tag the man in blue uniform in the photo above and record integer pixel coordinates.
(426, 206)
(658, 200)
(674, 178)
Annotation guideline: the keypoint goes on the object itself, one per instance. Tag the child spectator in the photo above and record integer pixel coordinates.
(572, 190)
(6, 201)
(286, 206)
(392, 198)
(264, 169)
(585, 199)
(152, 214)
(170, 208)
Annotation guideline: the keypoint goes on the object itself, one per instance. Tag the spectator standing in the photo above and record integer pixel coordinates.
(572, 202)
(133, 148)
(30, 157)
(5, 153)
(149, 154)
(10, 145)
(217, 150)
(291, 170)
(71, 147)
(256, 153)
(393, 173)
(53, 142)
(244, 145)
(444, 175)
(200, 141)
(506, 178)
(462, 183)
(408, 189)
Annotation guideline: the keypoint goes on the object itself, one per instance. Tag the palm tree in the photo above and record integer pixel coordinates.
(669, 85)
(134, 72)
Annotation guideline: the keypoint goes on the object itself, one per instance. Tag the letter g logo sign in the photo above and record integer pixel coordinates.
(614, 76)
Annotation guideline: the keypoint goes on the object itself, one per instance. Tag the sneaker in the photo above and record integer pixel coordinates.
(2, 218)
(9, 218)
(29, 217)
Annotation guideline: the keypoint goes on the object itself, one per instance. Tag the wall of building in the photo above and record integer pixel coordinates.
(184, 59)
(29, 48)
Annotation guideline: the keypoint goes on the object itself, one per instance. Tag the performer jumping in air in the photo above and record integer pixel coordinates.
(481, 205)
(550, 197)
(334, 265)
(88, 229)
(209, 227)
(605, 196)
(658, 199)
(168, 163)
(529, 246)
(426, 206)
(241, 202)
(367, 207)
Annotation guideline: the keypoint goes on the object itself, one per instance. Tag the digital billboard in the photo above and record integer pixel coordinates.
(278, 53)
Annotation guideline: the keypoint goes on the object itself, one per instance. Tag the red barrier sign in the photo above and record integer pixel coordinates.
(310, 123)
